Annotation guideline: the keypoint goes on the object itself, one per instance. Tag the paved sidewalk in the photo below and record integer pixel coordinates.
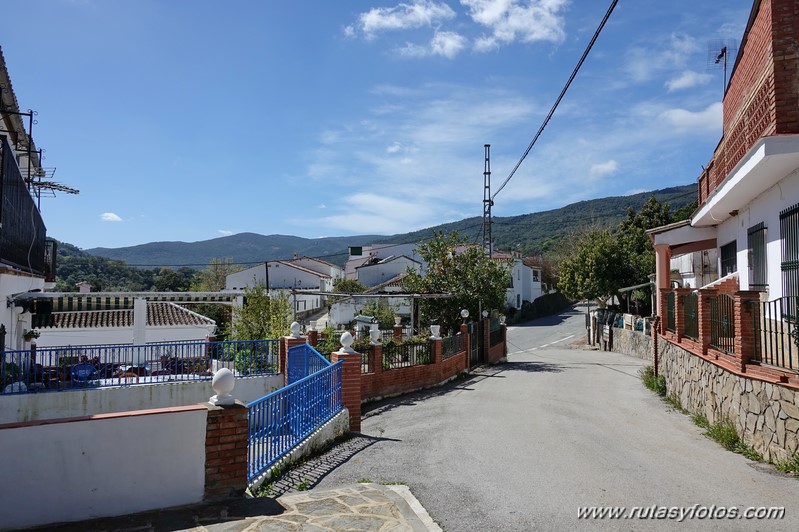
(367, 507)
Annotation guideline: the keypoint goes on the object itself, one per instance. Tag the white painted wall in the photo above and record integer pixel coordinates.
(246, 278)
(58, 337)
(765, 208)
(15, 322)
(76, 403)
(102, 467)
(375, 274)
(696, 269)
(327, 269)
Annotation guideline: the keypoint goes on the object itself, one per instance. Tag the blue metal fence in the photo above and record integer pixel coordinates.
(304, 360)
(281, 420)
(65, 368)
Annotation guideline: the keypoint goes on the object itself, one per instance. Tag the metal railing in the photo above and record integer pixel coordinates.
(452, 345)
(406, 355)
(670, 318)
(65, 368)
(777, 334)
(304, 360)
(284, 418)
(722, 323)
(691, 316)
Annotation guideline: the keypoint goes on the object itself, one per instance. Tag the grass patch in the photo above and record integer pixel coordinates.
(364, 481)
(724, 433)
(673, 400)
(791, 465)
(655, 383)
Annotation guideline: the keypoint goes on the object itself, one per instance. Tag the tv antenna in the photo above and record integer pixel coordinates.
(719, 53)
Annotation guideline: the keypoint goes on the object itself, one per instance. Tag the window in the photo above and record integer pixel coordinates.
(756, 251)
(729, 262)
(535, 276)
(789, 238)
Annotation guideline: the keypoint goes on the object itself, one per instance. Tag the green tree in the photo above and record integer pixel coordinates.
(262, 317)
(213, 279)
(473, 280)
(348, 286)
(598, 267)
(381, 310)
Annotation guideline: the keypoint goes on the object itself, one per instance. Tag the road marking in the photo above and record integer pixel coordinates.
(542, 346)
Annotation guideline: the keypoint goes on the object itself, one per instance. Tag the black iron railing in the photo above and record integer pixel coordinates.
(777, 334)
(670, 318)
(406, 355)
(691, 316)
(452, 345)
(722, 323)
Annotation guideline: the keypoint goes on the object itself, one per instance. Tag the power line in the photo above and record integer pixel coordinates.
(560, 97)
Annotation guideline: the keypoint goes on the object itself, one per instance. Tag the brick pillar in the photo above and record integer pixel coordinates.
(437, 356)
(505, 341)
(487, 338)
(313, 338)
(285, 343)
(467, 345)
(398, 333)
(703, 305)
(662, 278)
(655, 349)
(226, 438)
(746, 306)
(679, 311)
(350, 385)
(376, 360)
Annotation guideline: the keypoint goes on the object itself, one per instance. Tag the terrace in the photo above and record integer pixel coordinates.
(735, 329)
(80, 367)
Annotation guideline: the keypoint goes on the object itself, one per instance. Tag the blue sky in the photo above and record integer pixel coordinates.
(190, 120)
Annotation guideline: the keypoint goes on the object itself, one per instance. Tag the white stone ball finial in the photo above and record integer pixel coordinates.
(223, 383)
(295, 329)
(434, 332)
(346, 342)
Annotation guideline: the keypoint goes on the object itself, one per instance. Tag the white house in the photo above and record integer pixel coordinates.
(749, 191)
(27, 258)
(165, 322)
(363, 255)
(378, 271)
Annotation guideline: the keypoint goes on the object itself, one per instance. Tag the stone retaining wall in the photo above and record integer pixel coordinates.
(765, 415)
(632, 343)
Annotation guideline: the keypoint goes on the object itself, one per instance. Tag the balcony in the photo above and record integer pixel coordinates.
(22, 230)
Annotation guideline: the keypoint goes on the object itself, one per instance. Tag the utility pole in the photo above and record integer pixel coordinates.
(487, 202)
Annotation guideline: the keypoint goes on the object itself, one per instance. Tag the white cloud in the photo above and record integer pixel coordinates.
(708, 120)
(444, 43)
(515, 20)
(604, 169)
(643, 63)
(416, 14)
(394, 148)
(224, 232)
(447, 44)
(688, 79)
(110, 217)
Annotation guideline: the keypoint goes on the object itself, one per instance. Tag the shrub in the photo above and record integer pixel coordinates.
(656, 384)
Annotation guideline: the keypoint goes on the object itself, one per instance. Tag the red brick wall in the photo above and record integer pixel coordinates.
(226, 451)
(762, 98)
(384, 383)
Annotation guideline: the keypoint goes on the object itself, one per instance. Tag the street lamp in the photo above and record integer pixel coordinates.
(464, 314)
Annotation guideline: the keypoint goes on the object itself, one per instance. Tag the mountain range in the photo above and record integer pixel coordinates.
(534, 233)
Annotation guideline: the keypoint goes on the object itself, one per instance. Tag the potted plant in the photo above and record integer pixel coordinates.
(30, 334)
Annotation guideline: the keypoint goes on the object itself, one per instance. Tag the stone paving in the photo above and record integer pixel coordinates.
(365, 507)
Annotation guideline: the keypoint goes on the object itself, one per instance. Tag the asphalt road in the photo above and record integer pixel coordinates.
(523, 445)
